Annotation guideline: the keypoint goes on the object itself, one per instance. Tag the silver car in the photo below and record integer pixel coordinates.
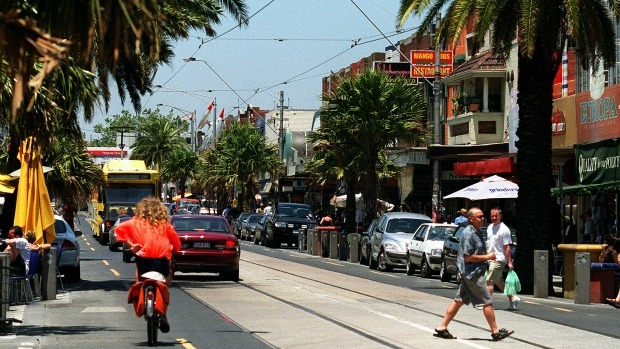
(391, 237)
(66, 241)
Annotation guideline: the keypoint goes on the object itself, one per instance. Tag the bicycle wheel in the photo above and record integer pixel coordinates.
(152, 323)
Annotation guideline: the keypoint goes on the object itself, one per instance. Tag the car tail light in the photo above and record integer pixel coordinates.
(68, 245)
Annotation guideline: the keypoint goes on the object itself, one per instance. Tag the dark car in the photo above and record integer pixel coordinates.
(260, 231)
(247, 227)
(390, 238)
(208, 245)
(287, 221)
(115, 245)
(238, 222)
(451, 247)
(365, 246)
(111, 211)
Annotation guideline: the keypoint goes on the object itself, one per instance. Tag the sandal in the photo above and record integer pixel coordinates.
(445, 334)
(501, 334)
(613, 302)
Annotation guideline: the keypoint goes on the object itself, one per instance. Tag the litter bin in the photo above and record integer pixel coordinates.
(569, 251)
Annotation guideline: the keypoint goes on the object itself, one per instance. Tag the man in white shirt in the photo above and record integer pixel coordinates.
(498, 242)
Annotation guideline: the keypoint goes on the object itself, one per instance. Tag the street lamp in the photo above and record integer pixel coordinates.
(192, 119)
(122, 130)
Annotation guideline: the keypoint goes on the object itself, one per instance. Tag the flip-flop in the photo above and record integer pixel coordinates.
(614, 303)
(501, 334)
(445, 334)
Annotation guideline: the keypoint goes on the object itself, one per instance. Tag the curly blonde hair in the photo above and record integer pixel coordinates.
(150, 210)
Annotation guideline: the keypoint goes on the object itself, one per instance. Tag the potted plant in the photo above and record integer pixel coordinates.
(457, 104)
(474, 104)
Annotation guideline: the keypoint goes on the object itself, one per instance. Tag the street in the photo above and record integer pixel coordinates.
(287, 299)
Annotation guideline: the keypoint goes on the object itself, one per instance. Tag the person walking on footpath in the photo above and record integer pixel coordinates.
(472, 263)
(498, 242)
(462, 218)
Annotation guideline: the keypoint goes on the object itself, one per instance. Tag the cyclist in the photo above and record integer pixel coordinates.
(152, 239)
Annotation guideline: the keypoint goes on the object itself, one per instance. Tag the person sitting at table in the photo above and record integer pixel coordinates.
(19, 249)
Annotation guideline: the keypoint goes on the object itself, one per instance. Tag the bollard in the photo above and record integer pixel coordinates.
(582, 278)
(333, 244)
(48, 276)
(5, 289)
(541, 274)
(316, 243)
(324, 234)
(310, 241)
(354, 248)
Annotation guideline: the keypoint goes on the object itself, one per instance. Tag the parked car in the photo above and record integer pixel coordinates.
(260, 231)
(236, 223)
(207, 245)
(111, 211)
(115, 245)
(286, 222)
(390, 238)
(247, 227)
(365, 246)
(66, 240)
(193, 208)
(425, 248)
(451, 246)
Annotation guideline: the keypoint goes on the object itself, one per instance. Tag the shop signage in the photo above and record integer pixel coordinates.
(597, 114)
(598, 163)
(423, 63)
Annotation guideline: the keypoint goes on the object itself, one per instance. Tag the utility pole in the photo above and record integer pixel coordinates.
(436, 116)
(193, 131)
(214, 120)
(281, 141)
(122, 130)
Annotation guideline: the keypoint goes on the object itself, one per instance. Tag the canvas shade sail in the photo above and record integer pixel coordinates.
(33, 210)
(341, 201)
(494, 187)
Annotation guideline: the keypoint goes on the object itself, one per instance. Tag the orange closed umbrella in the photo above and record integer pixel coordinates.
(33, 210)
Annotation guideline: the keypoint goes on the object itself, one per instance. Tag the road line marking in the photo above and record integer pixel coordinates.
(385, 274)
(547, 306)
(185, 343)
(332, 263)
(116, 273)
(105, 262)
(92, 249)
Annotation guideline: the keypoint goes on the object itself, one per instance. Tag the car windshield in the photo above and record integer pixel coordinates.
(255, 219)
(290, 211)
(440, 233)
(403, 225)
(205, 224)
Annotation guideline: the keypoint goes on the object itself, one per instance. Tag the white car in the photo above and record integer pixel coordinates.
(66, 241)
(424, 249)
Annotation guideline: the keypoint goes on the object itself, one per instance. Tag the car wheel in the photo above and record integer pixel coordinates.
(410, 266)
(230, 275)
(382, 262)
(443, 274)
(372, 263)
(425, 269)
(72, 273)
(363, 259)
(112, 247)
(127, 256)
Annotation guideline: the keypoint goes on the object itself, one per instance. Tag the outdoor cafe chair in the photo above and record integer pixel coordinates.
(22, 285)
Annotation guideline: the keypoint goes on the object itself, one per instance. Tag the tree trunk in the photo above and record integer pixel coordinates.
(370, 194)
(534, 206)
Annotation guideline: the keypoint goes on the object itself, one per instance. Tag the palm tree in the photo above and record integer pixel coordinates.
(541, 29)
(178, 166)
(369, 112)
(242, 155)
(158, 136)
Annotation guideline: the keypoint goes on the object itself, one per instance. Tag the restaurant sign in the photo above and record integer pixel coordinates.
(597, 114)
(598, 163)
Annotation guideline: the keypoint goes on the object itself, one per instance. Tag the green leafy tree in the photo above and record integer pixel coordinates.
(240, 156)
(370, 112)
(541, 29)
(158, 136)
(178, 166)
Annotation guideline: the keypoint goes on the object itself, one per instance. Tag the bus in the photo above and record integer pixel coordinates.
(126, 183)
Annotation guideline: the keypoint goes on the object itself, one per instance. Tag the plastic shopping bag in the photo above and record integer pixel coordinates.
(512, 284)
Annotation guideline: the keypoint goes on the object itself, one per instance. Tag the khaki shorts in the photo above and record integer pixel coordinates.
(496, 269)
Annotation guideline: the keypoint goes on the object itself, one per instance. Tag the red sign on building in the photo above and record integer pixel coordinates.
(423, 63)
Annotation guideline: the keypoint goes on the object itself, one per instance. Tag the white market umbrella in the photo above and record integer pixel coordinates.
(494, 187)
(341, 201)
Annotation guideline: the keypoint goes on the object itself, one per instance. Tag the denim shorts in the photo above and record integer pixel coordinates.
(474, 291)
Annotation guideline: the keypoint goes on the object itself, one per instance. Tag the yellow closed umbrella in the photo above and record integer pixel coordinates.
(33, 210)
(5, 184)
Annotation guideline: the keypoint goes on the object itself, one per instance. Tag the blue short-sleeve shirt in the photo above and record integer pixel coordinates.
(471, 243)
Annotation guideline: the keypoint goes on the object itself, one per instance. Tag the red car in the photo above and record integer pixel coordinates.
(207, 245)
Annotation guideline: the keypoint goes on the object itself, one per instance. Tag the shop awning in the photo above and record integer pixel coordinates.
(484, 167)
(587, 189)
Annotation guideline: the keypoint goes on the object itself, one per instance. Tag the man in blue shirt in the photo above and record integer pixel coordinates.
(472, 263)
(462, 217)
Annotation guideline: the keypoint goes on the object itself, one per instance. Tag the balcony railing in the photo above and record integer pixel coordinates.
(476, 128)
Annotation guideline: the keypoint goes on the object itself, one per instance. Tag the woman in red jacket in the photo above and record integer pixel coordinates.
(151, 237)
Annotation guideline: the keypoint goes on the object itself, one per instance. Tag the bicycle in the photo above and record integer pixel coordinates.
(150, 298)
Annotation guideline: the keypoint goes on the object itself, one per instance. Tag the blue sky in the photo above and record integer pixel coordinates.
(250, 65)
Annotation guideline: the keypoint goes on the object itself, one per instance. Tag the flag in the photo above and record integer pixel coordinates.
(205, 118)
(222, 114)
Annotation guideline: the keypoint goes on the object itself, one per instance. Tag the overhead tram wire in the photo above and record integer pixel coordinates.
(391, 43)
